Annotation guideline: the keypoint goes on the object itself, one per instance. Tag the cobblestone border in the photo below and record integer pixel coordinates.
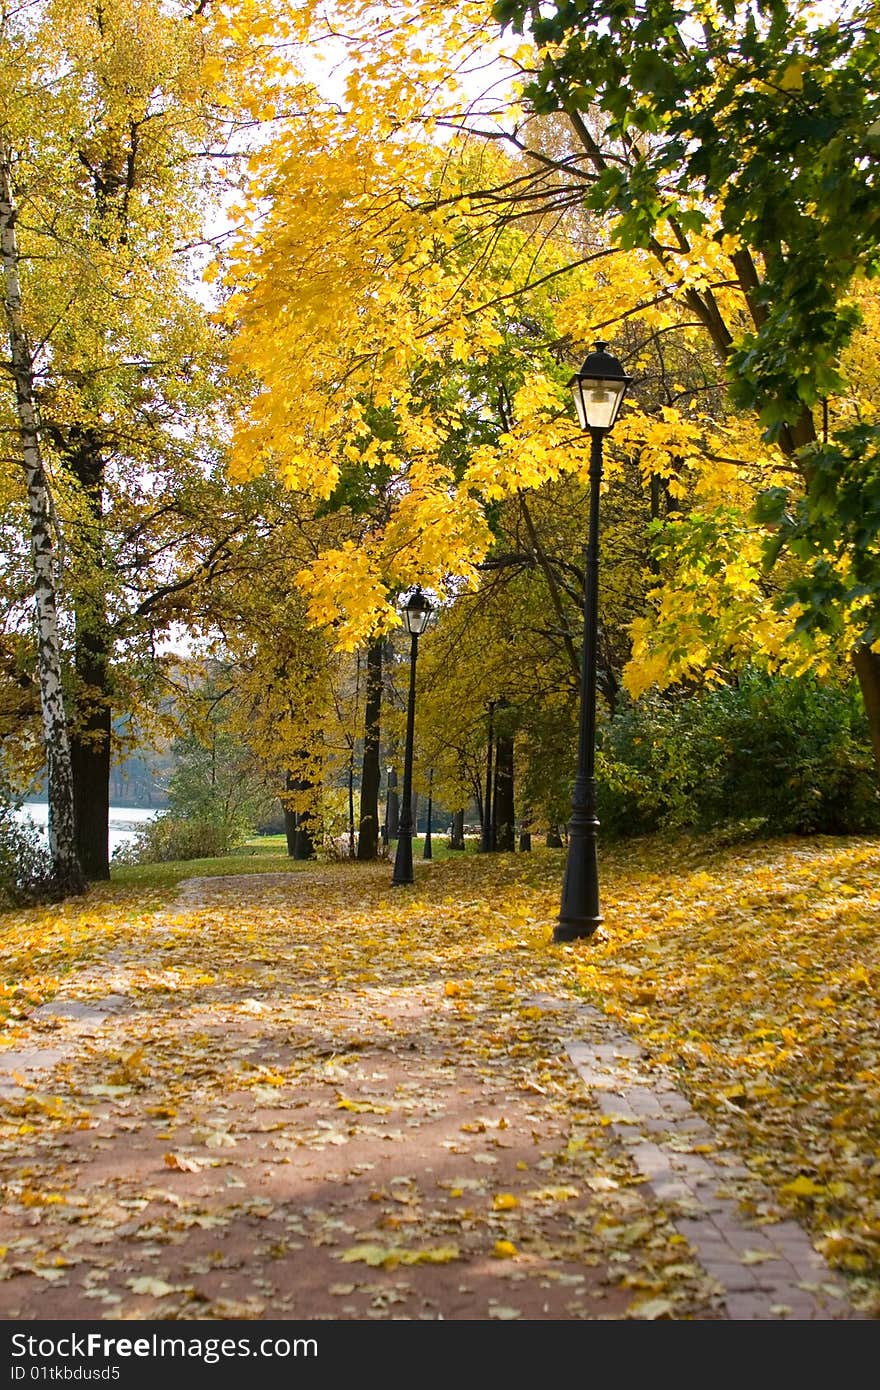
(765, 1271)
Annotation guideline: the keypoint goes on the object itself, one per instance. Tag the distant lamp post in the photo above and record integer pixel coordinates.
(598, 390)
(427, 852)
(416, 613)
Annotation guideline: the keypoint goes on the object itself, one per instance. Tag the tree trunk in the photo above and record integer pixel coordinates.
(486, 840)
(351, 832)
(503, 815)
(554, 839)
(90, 755)
(66, 870)
(91, 733)
(290, 830)
(456, 839)
(297, 824)
(368, 832)
(867, 668)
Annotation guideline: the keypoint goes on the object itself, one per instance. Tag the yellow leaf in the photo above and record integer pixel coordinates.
(504, 1201)
(756, 1257)
(804, 1187)
(504, 1250)
(376, 1255)
(386, 1258)
(554, 1194)
(435, 1255)
(792, 79)
(362, 1107)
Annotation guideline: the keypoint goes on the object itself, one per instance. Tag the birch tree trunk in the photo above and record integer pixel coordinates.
(67, 874)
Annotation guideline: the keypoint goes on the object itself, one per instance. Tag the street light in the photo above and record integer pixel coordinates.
(598, 389)
(416, 614)
(428, 852)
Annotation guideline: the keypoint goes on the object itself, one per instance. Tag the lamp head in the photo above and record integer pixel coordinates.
(598, 389)
(416, 612)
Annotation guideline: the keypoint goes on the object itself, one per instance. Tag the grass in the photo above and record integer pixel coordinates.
(261, 855)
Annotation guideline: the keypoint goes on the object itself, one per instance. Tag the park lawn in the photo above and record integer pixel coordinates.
(747, 971)
(263, 854)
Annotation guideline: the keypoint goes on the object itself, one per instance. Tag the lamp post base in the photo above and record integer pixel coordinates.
(574, 928)
(579, 913)
(403, 862)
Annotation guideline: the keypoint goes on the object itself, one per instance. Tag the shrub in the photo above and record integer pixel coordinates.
(169, 838)
(786, 756)
(25, 865)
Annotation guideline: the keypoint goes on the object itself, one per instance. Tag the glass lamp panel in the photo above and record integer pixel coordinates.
(576, 388)
(416, 620)
(601, 402)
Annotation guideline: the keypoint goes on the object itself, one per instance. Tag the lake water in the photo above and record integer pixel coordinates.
(124, 820)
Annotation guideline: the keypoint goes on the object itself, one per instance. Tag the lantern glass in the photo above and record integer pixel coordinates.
(598, 401)
(416, 613)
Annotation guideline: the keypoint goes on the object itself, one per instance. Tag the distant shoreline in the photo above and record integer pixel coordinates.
(125, 821)
(116, 806)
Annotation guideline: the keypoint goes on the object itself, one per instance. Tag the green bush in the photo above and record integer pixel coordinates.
(785, 756)
(168, 838)
(25, 864)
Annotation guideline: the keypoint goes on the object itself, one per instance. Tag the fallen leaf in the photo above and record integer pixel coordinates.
(363, 1107)
(181, 1163)
(804, 1187)
(504, 1250)
(554, 1194)
(651, 1309)
(153, 1288)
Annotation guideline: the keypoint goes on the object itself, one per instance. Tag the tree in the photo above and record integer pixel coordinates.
(753, 133)
(217, 779)
(117, 124)
(66, 870)
(455, 286)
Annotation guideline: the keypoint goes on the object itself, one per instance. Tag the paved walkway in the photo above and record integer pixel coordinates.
(273, 1142)
(763, 1270)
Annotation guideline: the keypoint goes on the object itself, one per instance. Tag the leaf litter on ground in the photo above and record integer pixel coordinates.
(268, 1024)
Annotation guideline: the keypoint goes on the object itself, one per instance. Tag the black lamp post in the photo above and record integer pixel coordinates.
(416, 615)
(598, 390)
(427, 852)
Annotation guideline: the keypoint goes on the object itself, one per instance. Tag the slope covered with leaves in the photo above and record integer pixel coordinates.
(233, 1082)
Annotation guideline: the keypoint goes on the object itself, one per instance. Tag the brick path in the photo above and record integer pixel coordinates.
(764, 1271)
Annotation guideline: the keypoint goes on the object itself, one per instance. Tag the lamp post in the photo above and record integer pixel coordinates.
(427, 852)
(416, 615)
(598, 389)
